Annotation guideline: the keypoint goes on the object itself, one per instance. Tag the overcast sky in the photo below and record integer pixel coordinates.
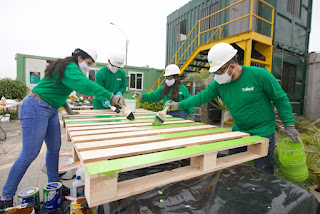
(55, 28)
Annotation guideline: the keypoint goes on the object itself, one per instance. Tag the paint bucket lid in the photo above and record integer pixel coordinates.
(53, 186)
(28, 192)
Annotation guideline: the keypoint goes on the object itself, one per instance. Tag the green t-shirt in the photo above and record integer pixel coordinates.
(156, 96)
(249, 101)
(73, 80)
(113, 82)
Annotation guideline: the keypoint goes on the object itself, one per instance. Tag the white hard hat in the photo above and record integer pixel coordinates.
(220, 54)
(91, 53)
(117, 59)
(171, 69)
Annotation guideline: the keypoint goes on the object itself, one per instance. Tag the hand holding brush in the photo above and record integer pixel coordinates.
(161, 116)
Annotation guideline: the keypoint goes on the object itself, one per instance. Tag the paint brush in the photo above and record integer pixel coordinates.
(115, 109)
(160, 117)
(127, 112)
(21, 206)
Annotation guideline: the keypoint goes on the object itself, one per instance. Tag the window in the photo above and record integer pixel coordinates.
(288, 77)
(92, 75)
(293, 7)
(180, 31)
(135, 81)
(211, 22)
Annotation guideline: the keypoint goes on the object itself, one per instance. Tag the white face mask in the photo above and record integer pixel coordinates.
(112, 69)
(170, 82)
(223, 78)
(84, 67)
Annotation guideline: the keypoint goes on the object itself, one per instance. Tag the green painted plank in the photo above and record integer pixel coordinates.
(116, 165)
(127, 121)
(171, 125)
(103, 116)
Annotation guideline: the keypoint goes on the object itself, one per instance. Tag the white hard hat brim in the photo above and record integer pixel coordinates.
(216, 67)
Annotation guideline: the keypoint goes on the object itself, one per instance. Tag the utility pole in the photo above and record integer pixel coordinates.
(127, 40)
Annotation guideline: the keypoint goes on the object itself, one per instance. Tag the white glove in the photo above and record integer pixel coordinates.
(137, 94)
(173, 106)
(117, 100)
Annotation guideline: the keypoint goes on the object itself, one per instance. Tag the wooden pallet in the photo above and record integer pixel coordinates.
(113, 147)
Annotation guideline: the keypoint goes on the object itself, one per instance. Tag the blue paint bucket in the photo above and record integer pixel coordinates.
(52, 196)
(30, 195)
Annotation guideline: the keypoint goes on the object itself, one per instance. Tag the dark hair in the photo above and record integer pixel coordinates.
(175, 91)
(61, 63)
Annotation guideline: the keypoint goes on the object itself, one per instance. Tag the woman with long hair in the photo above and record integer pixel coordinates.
(171, 90)
(39, 115)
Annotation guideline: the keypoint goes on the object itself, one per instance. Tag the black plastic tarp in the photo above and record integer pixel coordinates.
(238, 189)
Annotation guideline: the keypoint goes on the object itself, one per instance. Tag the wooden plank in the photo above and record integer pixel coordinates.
(107, 126)
(109, 118)
(146, 183)
(101, 116)
(128, 129)
(141, 161)
(103, 112)
(135, 134)
(145, 139)
(124, 121)
(124, 151)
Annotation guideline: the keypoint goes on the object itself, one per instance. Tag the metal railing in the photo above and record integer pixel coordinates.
(215, 30)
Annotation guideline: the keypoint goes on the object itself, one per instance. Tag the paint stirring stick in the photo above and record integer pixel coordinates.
(161, 116)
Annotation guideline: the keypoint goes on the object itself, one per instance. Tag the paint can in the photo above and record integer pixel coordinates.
(30, 195)
(52, 196)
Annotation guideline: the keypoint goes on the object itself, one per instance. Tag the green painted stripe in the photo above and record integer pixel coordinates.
(196, 132)
(171, 125)
(126, 121)
(103, 116)
(116, 165)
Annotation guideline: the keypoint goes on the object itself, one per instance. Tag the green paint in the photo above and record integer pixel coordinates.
(126, 121)
(160, 192)
(171, 125)
(110, 173)
(102, 116)
(100, 121)
(139, 160)
(161, 200)
(196, 132)
(157, 122)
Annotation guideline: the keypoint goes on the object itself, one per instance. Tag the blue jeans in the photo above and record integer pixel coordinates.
(179, 114)
(265, 164)
(40, 122)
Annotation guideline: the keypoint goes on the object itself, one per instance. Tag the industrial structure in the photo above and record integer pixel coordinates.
(270, 34)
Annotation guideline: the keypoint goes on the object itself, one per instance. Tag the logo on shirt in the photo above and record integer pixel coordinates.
(248, 89)
(180, 92)
(119, 79)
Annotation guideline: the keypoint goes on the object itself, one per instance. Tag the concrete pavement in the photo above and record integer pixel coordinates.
(10, 150)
